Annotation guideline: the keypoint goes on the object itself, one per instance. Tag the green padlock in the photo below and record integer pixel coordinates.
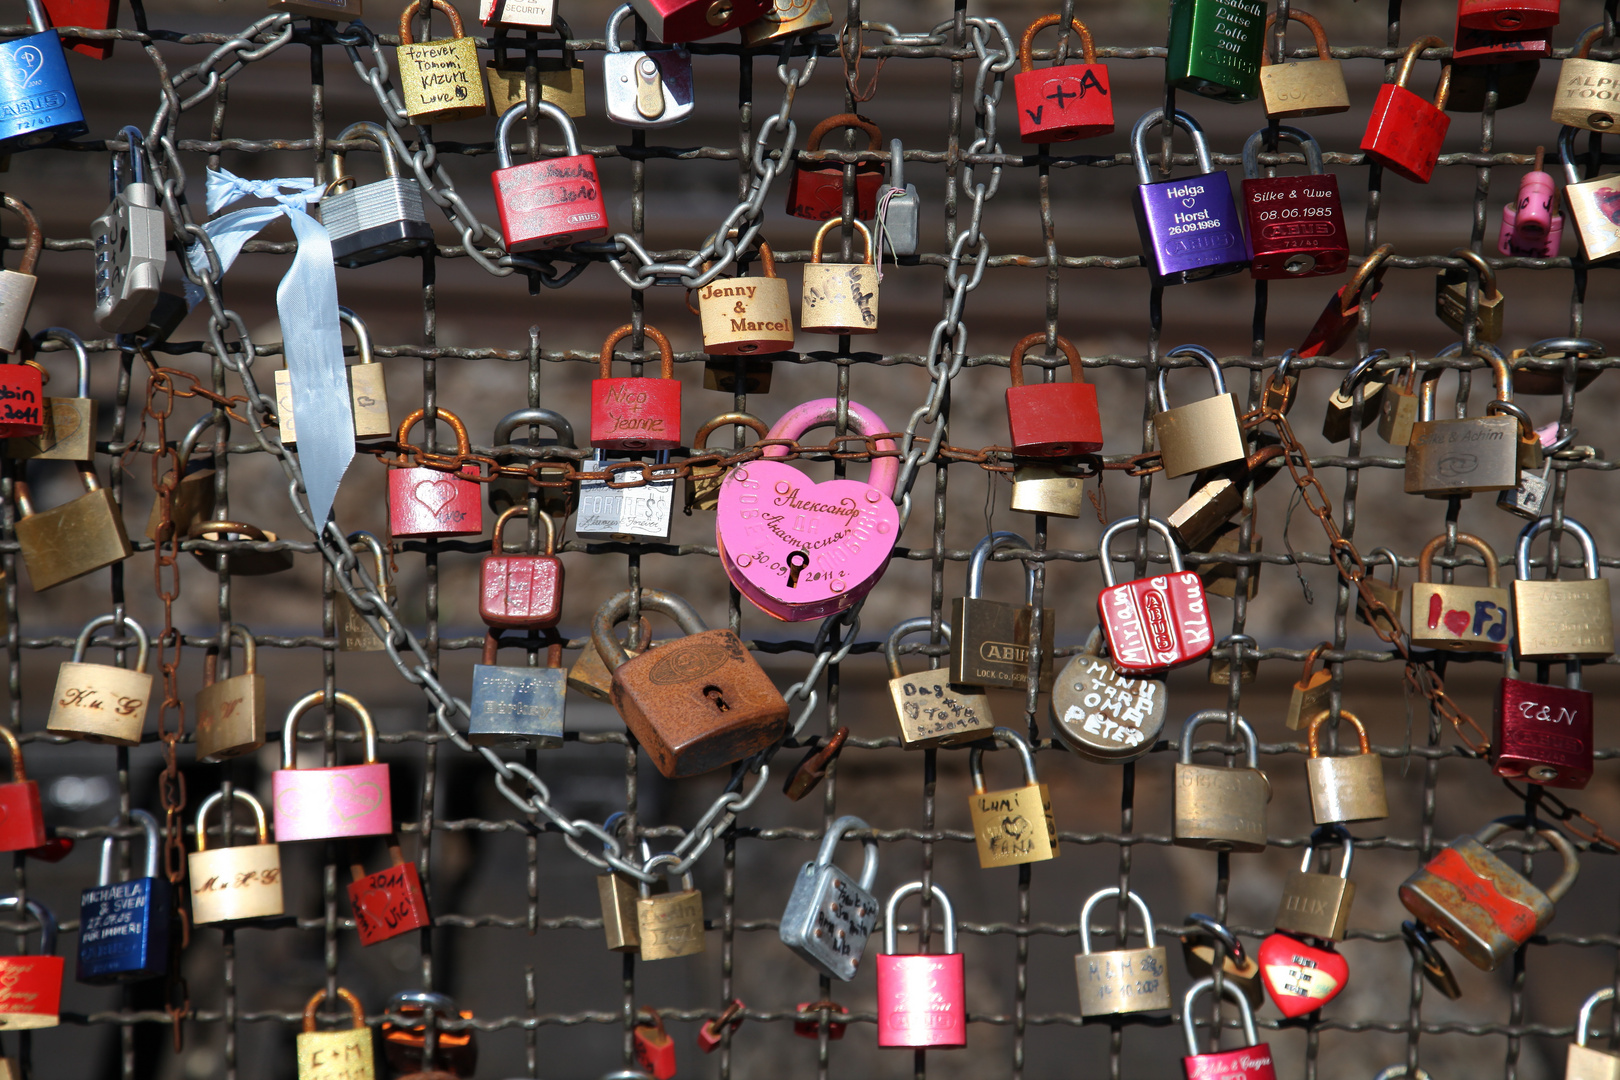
(1215, 48)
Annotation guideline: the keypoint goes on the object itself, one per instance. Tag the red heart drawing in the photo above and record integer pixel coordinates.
(435, 494)
(1457, 621)
(1300, 978)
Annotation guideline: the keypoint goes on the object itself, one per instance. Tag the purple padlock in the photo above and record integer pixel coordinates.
(1190, 227)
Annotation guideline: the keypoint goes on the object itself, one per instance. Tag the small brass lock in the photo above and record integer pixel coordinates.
(1345, 788)
(1013, 825)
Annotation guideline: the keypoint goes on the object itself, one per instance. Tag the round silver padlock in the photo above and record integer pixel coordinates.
(1102, 713)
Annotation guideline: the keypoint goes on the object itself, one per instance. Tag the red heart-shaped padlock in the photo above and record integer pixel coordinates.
(1300, 978)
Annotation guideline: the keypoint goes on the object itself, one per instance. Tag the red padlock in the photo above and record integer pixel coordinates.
(1507, 14)
(22, 397)
(1404, 132)
(22, 821)
(31, 986)
(389, 902)
(521, 591)
(921, 997)
(692, 20)
(1249, 1062)
(1154, 622)
(434, 502)
(1296, 223)
(547, 203)
(817, 191)
(1543, 733)
(1342, 313)
(1053, 419)
(655, 1047)
(636, 414)
(712, 1032)
(1473, 45)
(1063, 102)
(90, 14)
(811, 1029)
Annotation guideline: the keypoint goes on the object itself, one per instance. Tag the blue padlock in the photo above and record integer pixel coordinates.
(124, 928)
(38, 105)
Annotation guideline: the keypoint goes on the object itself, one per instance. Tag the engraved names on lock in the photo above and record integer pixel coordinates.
(238, 881)
(626, 408)
(830, 534)
(20, 406)
(1116, 981)
(343, 1058)
(738, 317)
(1483, 620)
(673, 926)
(933, 709)
(112, 919)
(441, 75)
(844, 919)
(382, 902)
(1111, 709)
(1157, 621)
(1011, 828)
(1232, 26)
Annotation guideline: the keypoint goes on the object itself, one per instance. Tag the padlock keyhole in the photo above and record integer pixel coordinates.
(796, 561)
(718, 696)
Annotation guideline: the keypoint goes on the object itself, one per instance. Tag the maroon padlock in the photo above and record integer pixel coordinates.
(692, 20)
(22, 399)
(1296, 223)
(636, 414)
(521, 591)
(1404, 132)
(22, 821)
(817, 191)
(1342, 313)
(551, 202)
(1066, 101)
(1055, 419)
(434, 502)
(1476, 45)
(389, 902)
(1507, 14)
(1543, 733)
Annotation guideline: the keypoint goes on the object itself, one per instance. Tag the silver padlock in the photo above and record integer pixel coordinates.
(1530, 497)
(1121, 980)
(518, 706)
(630, 514)
(372, 222)
(645, 88)
(17, 286)
(506, 492)
(1583, 1062)
(829, 915)
(898, 209)
(130, 244)
(1102, 713)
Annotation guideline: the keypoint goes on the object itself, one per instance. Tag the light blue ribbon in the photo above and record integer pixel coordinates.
(306, 301)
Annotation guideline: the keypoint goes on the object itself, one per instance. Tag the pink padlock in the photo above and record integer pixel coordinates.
(921, 997)
(1532, 227)
(801, 550)
(346, 800)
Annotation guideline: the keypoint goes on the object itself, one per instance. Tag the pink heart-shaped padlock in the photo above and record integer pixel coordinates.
(801, 550)
(1300, 978)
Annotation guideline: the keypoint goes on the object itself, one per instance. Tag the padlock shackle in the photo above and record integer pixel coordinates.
(250, 648)
(1153, 118)
(378, 557)
(823, 412)
(1598, 998)
(897, 165)
(1488, 290)
(620, 13)
(137, 161)
(1566, 155)
(1488, 553)
(1026, 44)
(463, 447)
(921, 624)
(314, 1003)
(1216, 931)
(503, 130)
(362, 336)
(215, 531)
(426, 1001)
(1368, 273)
(1358, 373)
(362, 129)
(415, 6)
(666, 356)
(36, 236)
(1311, 148)
(214, 800)
(891, 922)
(659, 860)
(1311, 24)
(981, 557)
(1583, 348)
(610, 613)
(1311, 659)
(1393, 1072)
(1435, 968)
(1015, 362)
(81, 355)
(1443, 90)
(700, 441)
(1012, 739)
(149, 826)
(19, 774)
(821, 238)
(1394, 564)
(844, 120)
(496, 548)
(654, 1019)
(1105, 560)
(98, 622)
(1236, 643)
(1322, 837)
(1313, 737)
(1190, 1029)
(24, 496)
(188, 444)
(1103, 894)
(1218, 716)
(36, 16)
(869, 846)
(1521, 559)
(1202, 355)
(289, 731)
(1582, 50)
(42, 914)
(546, 418)
(1527, 427)
(1572, 862)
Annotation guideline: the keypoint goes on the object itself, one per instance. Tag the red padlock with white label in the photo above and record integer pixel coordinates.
(636, 414)
(1251, 1061)
(1065, 101)
(1296, 223)
(31, 986)
(547, 203)
(1153, 622)
(1052, 419)
(423, 501)
(1404, 132)
(22, 821)
(521, 591)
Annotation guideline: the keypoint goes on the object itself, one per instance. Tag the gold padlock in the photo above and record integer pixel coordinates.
(230, 711)
(932, 710)
(367, 389)
(1238, 967)
(439, 80)
(590, 674)
(839, 298)
(1313, 88)
(99, 702)
(336, 1055)
(1318, 905)
(561, 78)
(1391, 595)
(354, 634)
(1399, 410)
(1446, 458)
(243, 561)
(618, 895)
(193, 496)
(1239, 648)
(1451, 297)
(70, 422)
(242, 882)
(1345, 788)
(70, 541)
(1055, 489)
(1460, 618)
(1204, 434)
(703, 482)
(787, 18)
(1562, 619)
(1012, 825)
(746, 314)
(669, 924)
(1588, 94)
(1584, 1063)
(1220, 576)
(1313, 693)
(1341, 403)
(1216, 808)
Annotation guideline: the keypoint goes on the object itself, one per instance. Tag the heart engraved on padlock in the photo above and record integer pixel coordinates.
(316, 804)
(802, 550)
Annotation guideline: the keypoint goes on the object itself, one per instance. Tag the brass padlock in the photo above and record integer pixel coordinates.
(1012, 825)
(1238, 968)
(787, 18)
(1451, 298)
(1391, 595)
(193, 495)
(1220, 577)
(743, 315)
(241, 882)
(1588, 93)
(73, 540)
(70, 422)
(590, 674)
(1216, 808)
(354, 634)
(1584, 1063)
(1201, 435)
(1341, 406)
(618, 894)
(1053, 488)
(439, 80)
(346, 1054)
(1121, 980)
(1549, 381)
(561, 78)
(99, 702)
(368, 390)
(1312, 694)
(242, 561)
(932, 710)
(1591, 202)
(1318, 905)
(992, 645)
(1240, 649)
(669, 924)
(1313, 88)
(1460, 618)
(1345, 788)
(703, 482)
(1446, 458)
(230, 712)
(1562, 619)
(1399, 409)
(839, 298)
